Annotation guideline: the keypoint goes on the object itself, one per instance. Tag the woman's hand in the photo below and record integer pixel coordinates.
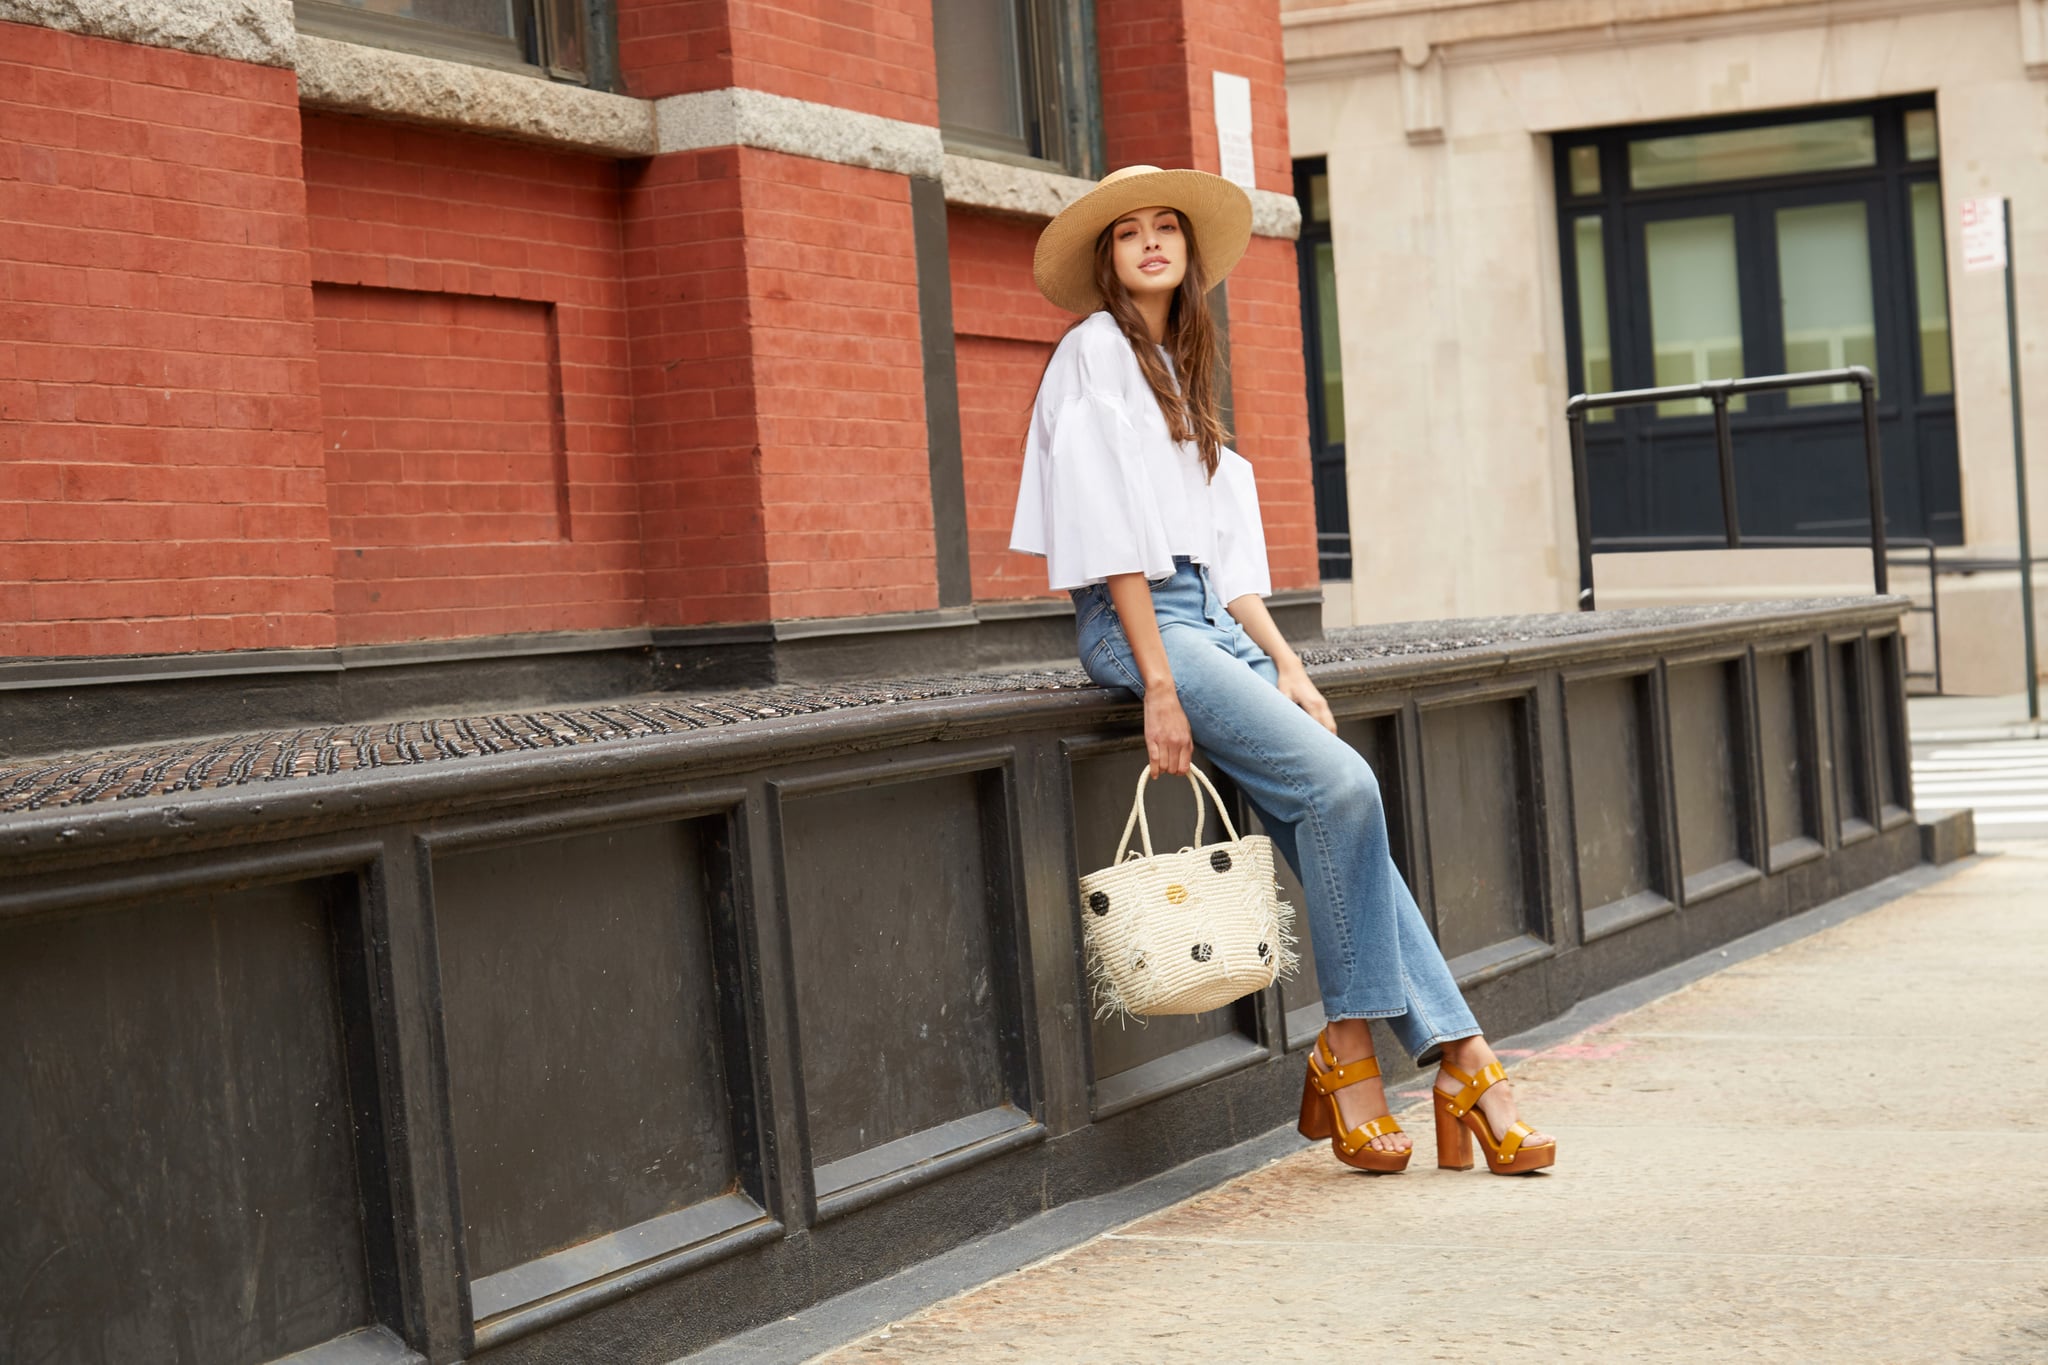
(1168, 744)
(1295, 686)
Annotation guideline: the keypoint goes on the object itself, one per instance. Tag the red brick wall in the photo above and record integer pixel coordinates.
(1227, 35)
(1158, 59)
(839, 387)
(1141, 55)
(1004, 333)
(780, 389)
(1269, 391)
(870, 55)
(542, 391)
(480, 470)
(692, 383)
(439, 419)
(160, 473)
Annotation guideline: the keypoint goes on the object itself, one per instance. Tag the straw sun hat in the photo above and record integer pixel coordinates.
(1219, 211)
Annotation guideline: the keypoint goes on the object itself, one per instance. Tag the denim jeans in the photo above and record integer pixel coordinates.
(1315, 796)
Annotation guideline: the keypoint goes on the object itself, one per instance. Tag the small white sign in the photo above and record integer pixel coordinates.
(1984, 234)
(1234, 127)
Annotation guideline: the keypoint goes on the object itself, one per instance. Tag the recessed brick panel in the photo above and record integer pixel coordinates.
(440, 419)
(476, 408)
(1004, 333)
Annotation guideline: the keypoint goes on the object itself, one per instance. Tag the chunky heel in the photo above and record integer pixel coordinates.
(1321, 1119)
(1315, 1119)
(1505, 1155)
(1453, 1143)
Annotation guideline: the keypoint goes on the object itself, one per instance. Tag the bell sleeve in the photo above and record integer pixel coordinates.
(1102, 516)
(1240, 564)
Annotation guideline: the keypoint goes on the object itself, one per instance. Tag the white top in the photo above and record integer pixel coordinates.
(1107, 490)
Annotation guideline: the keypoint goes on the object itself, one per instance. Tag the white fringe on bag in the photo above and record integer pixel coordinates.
(1180, 933)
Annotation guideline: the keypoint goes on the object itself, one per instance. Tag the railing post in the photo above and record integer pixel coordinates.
(1724, 453)
(1934, 613)
(1582, 494)
(1873, 459)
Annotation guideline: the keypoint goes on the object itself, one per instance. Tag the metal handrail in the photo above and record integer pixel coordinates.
(1718, 392)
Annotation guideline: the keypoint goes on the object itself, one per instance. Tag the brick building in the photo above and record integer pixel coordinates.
(350, 358)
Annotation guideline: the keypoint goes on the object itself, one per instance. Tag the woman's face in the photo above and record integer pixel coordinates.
(1150, 250)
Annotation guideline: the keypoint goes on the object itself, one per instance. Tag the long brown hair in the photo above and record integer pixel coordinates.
(1190, 408)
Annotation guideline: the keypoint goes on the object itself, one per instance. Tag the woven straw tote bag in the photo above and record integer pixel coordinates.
(1184, 932)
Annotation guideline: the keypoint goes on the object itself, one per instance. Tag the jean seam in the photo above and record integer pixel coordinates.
(1107, 649)
(1416, 1004)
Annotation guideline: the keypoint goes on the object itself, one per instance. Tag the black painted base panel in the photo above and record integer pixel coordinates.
(815, 1264)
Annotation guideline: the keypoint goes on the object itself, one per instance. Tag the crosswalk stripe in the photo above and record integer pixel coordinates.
(2005, 783)
(2037, 763)
(1924, 782)
(1957, 800)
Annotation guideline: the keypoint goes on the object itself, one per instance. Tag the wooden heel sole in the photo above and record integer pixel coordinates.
(1453, 1143)
(1315, 1114)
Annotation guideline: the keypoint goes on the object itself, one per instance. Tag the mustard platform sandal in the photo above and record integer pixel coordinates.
(1321, 1119)
(1458, 1122)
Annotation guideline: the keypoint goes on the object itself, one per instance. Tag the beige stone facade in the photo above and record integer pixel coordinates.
(1437, 121)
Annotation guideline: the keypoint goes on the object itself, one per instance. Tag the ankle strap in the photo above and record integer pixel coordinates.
(1475, 1086)
(1327, 1077)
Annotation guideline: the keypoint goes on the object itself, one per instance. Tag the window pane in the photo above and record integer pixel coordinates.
(1596, 356)
(1922, 143)
(1332, 350)
(1695, 308)
(1747, 153)
(981, 70)
(1319, 198)
(493, 17)
(1824, 280)
(1930, 279)
(565, 36)
(1585, 170)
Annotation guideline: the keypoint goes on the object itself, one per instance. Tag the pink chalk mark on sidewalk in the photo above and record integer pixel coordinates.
(1587, 1052)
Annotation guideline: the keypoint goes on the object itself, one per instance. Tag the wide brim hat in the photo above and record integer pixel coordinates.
(1219, 211)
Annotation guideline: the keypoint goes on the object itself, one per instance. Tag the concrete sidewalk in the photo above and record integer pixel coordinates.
(1832, 1151)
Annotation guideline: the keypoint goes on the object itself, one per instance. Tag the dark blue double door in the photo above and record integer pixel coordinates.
(1774, 281)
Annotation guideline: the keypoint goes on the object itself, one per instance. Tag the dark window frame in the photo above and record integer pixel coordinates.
(1326, 456)
(527, 52)
(1061, 90)
(1615, 201)
(1886, 185)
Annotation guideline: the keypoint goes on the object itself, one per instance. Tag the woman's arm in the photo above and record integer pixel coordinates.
(1167, 742)
(1250, 611)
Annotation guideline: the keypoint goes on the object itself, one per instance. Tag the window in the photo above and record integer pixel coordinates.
(551, 36)
(1761, 244)
(1016, 82)
(1318, 267)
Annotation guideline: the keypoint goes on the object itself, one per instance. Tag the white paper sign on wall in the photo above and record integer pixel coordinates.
(1983, 234)
(1234, 127)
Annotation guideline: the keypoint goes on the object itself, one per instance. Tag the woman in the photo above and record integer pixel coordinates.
(1153, 525)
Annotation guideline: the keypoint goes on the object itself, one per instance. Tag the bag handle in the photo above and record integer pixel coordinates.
(1198, 780)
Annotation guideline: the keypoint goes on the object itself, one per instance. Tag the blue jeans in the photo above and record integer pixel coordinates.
(1315, 796)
